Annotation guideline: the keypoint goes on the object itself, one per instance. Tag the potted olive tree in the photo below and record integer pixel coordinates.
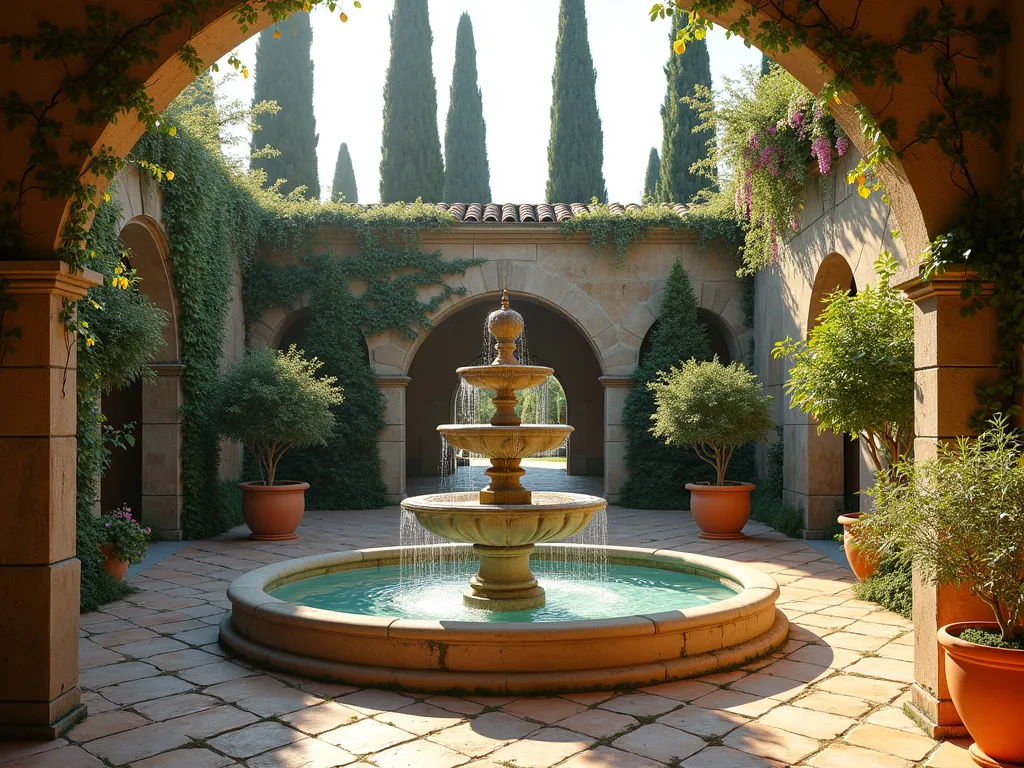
(960, 518)
(715, 409)
(855, 376)
(272, 402)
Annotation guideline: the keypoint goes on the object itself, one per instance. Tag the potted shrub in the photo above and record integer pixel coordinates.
(855, 376)
(715, 409)
(960, 519)
(272, 402)
(123, 541)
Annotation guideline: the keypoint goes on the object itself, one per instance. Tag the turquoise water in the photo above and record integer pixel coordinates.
(628, 590)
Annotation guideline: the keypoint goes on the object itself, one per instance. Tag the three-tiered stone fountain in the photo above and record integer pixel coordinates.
(657, 614)
(504, 521)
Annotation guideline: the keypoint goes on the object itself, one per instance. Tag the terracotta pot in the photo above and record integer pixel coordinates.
(721, 511)
(862, 563)
(987, 688)
(113, 565)
(273, 512)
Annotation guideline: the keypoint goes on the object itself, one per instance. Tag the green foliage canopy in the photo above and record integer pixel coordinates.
(855, 372)
(284, 75)
(344, 186)
(411, 167)
(272, 402)
(685, 137)
(467, 177)
(712, 407)
(576, 147)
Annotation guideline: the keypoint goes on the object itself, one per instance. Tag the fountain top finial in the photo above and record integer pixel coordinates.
(505, 325)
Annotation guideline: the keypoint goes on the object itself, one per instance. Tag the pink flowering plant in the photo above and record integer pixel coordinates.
(129, 538)
(771, 132)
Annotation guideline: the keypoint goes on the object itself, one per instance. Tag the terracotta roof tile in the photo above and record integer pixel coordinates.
(529, 213)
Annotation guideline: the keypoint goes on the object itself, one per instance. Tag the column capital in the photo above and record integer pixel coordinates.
(168, 369)
(52, 277)
(615, 381)
(912, 281)
(393, 381)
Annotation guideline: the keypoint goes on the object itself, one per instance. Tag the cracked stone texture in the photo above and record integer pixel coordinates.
(162, 694)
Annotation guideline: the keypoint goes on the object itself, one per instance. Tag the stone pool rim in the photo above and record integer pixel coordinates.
(505, 657)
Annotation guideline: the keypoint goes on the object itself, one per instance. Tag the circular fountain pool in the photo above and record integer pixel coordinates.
(658, 615)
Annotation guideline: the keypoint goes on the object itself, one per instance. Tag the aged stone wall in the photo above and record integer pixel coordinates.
(841, 236)
(604, 310)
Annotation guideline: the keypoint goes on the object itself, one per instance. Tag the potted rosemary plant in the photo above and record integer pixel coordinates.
(715, 409)
(960, 519)
(272, 402)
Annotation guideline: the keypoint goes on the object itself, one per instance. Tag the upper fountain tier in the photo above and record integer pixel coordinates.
(505, 441)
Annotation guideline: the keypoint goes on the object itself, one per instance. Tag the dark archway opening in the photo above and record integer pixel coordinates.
(460, 339)
(122, 482)
(718, 337)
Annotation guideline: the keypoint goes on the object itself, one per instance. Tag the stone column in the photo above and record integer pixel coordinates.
(812, 473)
(615, 390)
(39, 573)
(391, 440)
(953, 355)
(160, 433)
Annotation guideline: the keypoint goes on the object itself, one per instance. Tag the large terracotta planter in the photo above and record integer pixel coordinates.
(273, 512)
(113, 565)
(987, 688)
(720, 511)
(862, 563)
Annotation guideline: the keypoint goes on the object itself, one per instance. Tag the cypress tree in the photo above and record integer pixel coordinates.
(653, 176)
(467, 177)
(681, 147)
(344, 186)
(766, 65)
(576, 148)
(410, 164)
(344, 474)
(284, 73)
(658, 472)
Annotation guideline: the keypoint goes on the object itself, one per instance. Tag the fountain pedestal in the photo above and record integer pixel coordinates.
(504, 581)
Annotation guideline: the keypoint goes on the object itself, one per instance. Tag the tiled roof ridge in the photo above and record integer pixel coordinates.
(529, 213)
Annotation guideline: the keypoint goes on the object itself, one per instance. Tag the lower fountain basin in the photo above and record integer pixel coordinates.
(496, 655)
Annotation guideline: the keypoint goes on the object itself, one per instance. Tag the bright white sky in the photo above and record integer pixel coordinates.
(515, 58)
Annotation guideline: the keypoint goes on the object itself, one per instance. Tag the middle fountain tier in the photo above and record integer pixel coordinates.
(504, 521)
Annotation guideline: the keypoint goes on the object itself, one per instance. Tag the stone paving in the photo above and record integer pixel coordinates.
(162, 694)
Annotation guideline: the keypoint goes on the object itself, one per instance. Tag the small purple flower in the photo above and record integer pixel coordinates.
(842, 145)
(107, 525)
(796, 119)
(754, 142)
(771, 129)
(821, 150)
(818, 112)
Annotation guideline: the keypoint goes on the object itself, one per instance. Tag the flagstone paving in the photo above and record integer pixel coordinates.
(163, 694)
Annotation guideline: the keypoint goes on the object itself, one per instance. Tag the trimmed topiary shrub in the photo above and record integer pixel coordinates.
(711, 407)
(272, 402)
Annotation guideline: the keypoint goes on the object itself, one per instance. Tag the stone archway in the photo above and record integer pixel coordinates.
(154, 464)
(458, 340)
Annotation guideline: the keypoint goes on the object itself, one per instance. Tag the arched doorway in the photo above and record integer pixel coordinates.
(821, 471)
(459, 339)
(721, 339)
(147, 475)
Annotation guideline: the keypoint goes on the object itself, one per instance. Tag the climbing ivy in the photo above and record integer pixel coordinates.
(620, 230)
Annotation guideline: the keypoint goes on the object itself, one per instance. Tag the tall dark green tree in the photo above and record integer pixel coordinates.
(766, 65)
(658, 472)
(410, 163)
(344, 186)
(681, 147)
(284, 73)
(576, 147)
(653, 176)
(467, 177)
